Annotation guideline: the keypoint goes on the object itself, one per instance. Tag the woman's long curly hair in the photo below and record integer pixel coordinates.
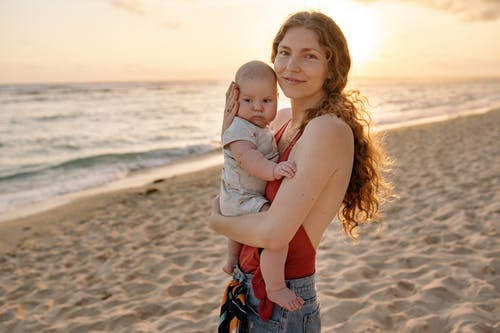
(367, 188)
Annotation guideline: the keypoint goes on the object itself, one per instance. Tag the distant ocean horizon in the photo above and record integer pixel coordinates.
(60, 138)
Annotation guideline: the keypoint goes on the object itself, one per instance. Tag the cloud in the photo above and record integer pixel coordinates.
(469, 10)
(132, 6)
(143, 8)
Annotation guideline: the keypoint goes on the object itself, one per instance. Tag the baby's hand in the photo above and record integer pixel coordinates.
(284, 169)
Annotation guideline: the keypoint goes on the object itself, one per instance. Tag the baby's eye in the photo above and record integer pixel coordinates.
(268, 100)
(248, 100)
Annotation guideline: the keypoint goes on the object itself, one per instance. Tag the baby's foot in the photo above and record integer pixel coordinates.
(228, 268)
(285, 298)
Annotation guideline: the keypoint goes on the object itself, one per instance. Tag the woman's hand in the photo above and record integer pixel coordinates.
(214, 213)
(231, 107)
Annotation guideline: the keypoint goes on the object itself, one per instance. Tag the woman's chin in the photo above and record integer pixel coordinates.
(300, 93)
(295, 93)
(290, 92)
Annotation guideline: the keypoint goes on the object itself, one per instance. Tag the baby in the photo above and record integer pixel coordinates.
(250, 155)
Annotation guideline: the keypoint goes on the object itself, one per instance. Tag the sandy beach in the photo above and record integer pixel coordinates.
(144, 260)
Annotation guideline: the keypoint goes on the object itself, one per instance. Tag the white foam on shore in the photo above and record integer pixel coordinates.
(430, 120)
(138, 179)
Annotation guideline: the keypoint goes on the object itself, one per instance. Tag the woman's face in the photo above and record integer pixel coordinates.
(301, 65)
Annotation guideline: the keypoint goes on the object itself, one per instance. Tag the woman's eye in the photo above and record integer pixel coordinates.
(283, 52)
(311, 56)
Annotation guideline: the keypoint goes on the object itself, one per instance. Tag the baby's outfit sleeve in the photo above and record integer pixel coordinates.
(240, 130)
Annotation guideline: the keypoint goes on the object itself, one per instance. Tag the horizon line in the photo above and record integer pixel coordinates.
(161, 80)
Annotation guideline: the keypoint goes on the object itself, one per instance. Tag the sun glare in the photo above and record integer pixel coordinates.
(361, 27)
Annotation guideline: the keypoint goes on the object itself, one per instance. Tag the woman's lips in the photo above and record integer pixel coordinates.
(293, 81)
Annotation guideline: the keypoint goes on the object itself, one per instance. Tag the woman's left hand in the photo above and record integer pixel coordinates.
(215, 211)
(231, 107)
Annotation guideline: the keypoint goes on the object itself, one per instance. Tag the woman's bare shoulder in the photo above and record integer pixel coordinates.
(327, 144)
(281, 117)
(329, 127)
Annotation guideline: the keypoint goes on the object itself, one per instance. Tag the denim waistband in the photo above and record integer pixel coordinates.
(303, 287)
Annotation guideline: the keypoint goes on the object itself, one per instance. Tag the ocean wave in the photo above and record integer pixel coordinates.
(45, 181)
(56, 117)
(120, 162)
(30, 92)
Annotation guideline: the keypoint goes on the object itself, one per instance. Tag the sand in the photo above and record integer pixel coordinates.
(144, 260)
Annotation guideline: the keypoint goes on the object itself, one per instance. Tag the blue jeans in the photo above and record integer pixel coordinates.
(305, 320)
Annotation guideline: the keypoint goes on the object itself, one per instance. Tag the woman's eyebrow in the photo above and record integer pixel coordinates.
(306, 49)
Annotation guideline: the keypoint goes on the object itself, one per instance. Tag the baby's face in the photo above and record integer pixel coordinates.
(258, 100)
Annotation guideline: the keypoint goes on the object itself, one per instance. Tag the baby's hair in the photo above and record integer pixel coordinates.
(254, 70)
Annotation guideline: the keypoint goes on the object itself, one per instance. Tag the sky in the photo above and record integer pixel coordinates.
(135, 40)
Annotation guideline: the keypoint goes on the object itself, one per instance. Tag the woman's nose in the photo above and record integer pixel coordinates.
(293, 64)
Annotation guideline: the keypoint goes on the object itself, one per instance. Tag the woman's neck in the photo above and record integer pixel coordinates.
(300, 105)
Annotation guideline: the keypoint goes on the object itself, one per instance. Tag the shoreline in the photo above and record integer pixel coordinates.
(138, 179)
(433, 120)
(144, 259)
(182, 166)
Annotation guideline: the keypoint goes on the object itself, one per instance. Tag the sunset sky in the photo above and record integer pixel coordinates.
(117, 40)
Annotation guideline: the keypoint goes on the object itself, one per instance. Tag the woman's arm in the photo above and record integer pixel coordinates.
(326, 146)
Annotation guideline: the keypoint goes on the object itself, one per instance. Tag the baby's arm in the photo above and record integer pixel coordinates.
(252, 160)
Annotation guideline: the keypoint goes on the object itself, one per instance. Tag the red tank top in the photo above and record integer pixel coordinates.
(300, 261)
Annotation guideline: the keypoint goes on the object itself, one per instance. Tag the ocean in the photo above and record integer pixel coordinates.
(57, 139)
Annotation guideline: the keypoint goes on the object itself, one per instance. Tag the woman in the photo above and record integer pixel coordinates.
(338, 169)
